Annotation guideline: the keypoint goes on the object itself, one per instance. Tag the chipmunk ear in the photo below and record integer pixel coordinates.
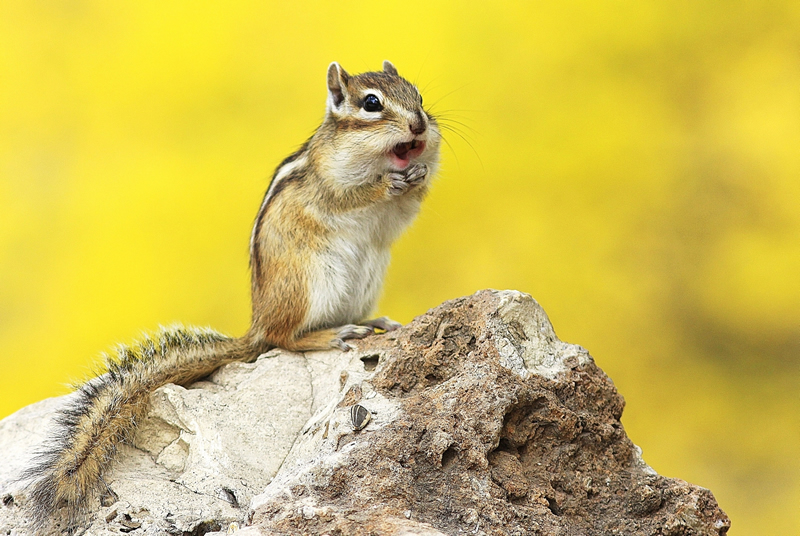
(337, 84)
(388, 68)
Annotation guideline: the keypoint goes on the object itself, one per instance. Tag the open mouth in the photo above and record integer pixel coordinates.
(402, 153)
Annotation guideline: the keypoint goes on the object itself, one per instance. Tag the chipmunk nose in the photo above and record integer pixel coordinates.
(418, 125)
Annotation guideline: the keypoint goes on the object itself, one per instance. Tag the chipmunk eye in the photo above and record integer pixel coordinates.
(372, 103)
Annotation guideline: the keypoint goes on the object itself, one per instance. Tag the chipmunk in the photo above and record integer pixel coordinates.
(318, 253)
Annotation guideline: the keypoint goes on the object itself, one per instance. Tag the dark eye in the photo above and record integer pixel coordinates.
(372, 103)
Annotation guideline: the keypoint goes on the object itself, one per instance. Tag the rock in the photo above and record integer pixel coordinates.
(479, 421)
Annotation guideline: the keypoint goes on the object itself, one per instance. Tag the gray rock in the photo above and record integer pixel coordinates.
(198, 457)
(482, 422)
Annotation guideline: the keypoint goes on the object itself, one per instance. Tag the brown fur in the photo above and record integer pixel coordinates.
(296, 223)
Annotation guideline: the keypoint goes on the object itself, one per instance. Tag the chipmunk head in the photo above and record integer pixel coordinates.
(381, 113)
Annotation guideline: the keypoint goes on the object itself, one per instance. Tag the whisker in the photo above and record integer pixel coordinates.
(464, 138)
(461, 124)
(457, 129)
(437, 101)
(452, 149)
(424, 61)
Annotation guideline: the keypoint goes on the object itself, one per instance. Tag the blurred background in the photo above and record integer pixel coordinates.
(634, 165)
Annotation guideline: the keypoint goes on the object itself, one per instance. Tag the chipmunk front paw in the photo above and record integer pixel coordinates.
(403, 181)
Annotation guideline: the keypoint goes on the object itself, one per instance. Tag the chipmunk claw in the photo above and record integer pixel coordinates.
(341, 345)
(354, 331)
(397, 184)
(416, 173)
(402, 181)
(385, 323)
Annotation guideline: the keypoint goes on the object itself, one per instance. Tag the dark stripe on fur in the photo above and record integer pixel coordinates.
(275, 188)
(351, 123)
(288, 160)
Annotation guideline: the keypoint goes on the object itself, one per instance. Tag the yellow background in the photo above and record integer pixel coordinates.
(634, 165)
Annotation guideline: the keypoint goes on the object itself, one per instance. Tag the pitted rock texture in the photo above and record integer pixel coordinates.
(495, 427)
(482, 422)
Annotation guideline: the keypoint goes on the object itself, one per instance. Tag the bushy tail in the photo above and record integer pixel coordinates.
(69, 469)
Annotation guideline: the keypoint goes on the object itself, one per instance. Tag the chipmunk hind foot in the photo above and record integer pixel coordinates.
(325, 339)
(384, 322)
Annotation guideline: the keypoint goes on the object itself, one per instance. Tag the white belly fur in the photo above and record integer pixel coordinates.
(347, 276)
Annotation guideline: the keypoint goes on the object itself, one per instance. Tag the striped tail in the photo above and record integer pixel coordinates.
(68, 471)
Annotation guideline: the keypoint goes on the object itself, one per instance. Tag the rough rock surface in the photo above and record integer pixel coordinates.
(482, 422)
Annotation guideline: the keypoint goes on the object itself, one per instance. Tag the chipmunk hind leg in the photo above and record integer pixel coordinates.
(326, 339)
